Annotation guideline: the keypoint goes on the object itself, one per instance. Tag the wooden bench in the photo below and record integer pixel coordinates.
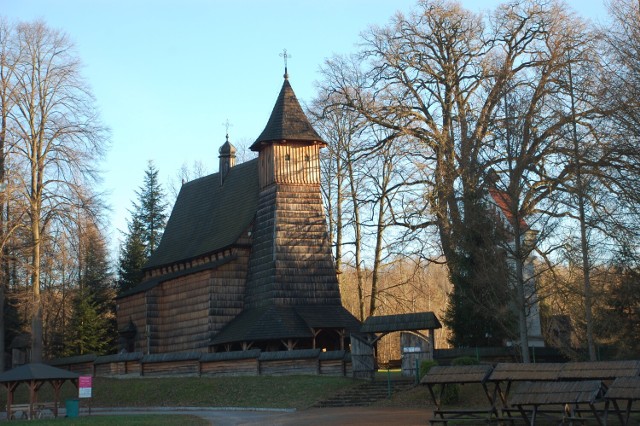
(18, 411)
(44, 410)
(623, 389)
(443, 376)
(568, 400)
(40, 410)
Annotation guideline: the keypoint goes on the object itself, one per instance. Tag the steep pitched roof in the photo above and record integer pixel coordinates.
(209, 216)
(287, 121)
(503, 201)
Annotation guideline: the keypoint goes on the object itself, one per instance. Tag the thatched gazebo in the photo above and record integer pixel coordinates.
(35, 375)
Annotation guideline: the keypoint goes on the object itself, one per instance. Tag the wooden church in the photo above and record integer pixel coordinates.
(245, 261)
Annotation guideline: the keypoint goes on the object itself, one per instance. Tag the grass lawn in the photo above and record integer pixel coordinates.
(262, 391)
(141, 420)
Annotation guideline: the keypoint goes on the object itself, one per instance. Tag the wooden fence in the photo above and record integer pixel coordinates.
(237, 363)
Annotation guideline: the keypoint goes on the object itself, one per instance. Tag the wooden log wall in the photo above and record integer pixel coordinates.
(332, 367)
(239, 363)
(126, 363)
(289, 367)
(333, 363)
(238, 367)
(83, 368)
(110, 369)
(171, 368)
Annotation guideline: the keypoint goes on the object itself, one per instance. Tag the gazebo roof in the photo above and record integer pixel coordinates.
(401, 322)
(36, 371)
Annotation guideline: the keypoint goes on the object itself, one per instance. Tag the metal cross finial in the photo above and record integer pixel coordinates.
(286, 56)
(227, 124)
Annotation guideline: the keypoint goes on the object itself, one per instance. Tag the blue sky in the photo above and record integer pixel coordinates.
(167, 74)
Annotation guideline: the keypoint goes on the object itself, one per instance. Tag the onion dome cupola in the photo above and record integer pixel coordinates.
(227, 159)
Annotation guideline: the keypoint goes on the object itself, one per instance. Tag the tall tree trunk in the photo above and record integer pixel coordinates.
(377, 256)
(522, 300)
(36, 319)
(584, 243)
(358, 240)
(339, 200)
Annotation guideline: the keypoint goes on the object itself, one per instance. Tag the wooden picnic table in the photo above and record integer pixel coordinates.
(505, 374)
(443, 376)
(558, 397)
(602, 370)
(622, 389)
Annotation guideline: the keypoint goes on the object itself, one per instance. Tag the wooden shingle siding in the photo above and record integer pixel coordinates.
(291, 262)
(185, 312)
(133, 309)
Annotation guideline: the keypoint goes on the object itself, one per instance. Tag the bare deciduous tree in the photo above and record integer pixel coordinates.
(58, 138)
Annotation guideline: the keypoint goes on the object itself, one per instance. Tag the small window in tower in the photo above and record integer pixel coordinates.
(307, 158)
(287, 157)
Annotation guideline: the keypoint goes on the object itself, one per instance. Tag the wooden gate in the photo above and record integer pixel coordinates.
(362, 358)
(415, 349)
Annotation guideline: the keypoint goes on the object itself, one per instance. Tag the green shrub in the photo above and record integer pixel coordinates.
(451, 393)
(425, 366)
(464, 360)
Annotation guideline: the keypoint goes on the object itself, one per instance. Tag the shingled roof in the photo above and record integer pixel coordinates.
(209, 216)
(287, 122)
(401, 322)
(279, 322)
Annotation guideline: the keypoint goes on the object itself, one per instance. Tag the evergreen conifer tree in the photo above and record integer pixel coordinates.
(151, 208)
(89, 330)
(91, 327)
(148, 220)
(133, 255)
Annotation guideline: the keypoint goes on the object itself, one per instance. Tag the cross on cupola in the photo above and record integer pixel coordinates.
(227, 156)
(285, 56)
(226, 125)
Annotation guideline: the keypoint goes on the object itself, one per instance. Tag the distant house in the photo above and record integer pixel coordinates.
(245, 261)
(501, 202)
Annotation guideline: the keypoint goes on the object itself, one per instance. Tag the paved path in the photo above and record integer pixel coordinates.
(311, 416)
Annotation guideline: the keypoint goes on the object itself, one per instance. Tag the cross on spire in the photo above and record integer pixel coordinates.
(286, 56)
(226, 125)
